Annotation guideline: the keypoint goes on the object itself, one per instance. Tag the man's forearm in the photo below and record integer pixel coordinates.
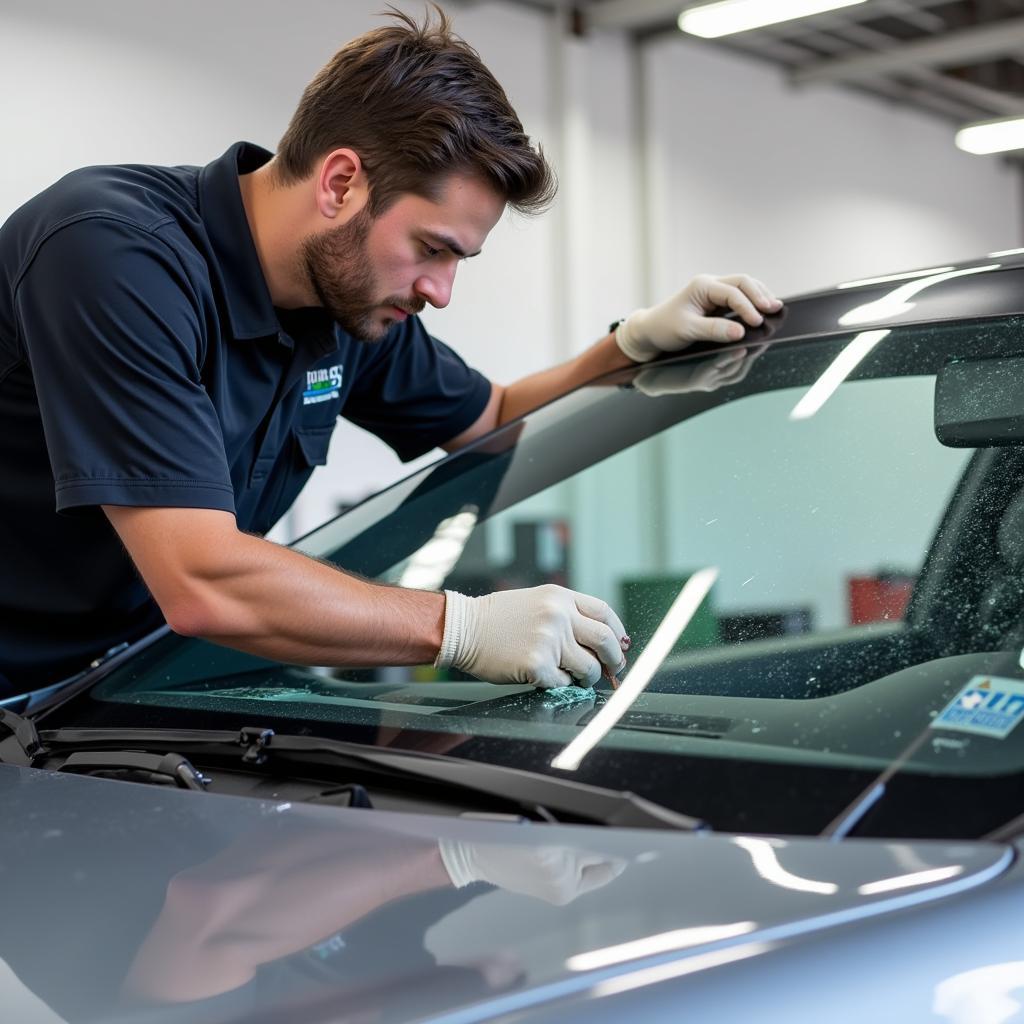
(540, 388)
(214, 582)
(286, 606)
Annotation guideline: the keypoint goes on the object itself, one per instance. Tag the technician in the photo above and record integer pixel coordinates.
(177, 343)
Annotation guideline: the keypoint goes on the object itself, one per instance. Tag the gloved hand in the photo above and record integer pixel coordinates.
(547, 636)
(683, 319)
(555, 874)
(710, 374)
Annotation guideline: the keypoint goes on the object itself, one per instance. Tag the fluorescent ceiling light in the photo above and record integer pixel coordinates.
(998, 136)
(1005, 252)
(897, 277)
(709, 21)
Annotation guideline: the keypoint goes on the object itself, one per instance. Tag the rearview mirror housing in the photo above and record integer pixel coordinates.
(979, 403)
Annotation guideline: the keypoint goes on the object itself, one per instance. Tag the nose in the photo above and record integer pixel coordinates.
(436, 287)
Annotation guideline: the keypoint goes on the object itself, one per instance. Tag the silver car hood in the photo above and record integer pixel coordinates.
(123, 902)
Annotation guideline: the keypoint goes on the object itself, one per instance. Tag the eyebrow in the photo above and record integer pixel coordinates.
(449, 243)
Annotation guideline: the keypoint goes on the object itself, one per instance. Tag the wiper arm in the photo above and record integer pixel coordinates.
(24, 732)
(532, 791)
(172, 766)
(854, 813)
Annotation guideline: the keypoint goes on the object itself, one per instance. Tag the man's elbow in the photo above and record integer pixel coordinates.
(194, 605)
(189, 559)
(192, 616)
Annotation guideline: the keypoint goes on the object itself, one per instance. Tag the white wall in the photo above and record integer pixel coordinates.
(805, 188)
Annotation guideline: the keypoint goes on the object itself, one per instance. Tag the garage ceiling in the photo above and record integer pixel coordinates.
(962, 60)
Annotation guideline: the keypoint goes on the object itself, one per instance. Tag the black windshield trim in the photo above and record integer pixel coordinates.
(529, 789)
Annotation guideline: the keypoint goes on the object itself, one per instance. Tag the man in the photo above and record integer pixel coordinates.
(176, 344)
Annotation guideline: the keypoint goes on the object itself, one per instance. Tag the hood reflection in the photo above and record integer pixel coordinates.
(766, 864)
(682, 938)
(981, 996)
(313, 895)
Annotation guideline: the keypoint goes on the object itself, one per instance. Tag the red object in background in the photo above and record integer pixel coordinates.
(878, 598)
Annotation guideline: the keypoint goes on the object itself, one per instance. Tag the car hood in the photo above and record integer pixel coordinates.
(127, 902)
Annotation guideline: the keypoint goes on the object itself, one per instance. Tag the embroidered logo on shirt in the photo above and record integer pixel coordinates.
(322, 385)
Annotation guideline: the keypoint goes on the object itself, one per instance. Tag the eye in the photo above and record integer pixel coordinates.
(430, 250)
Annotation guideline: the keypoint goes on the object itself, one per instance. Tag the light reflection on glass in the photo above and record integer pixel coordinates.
(684, 607)
(767, 865)
(691, 965)
(1005, 252)
(897, 302)
(839, 369)
(896, 277)
(429, 567)
(909, 881)
(980, 996)
(681, 938)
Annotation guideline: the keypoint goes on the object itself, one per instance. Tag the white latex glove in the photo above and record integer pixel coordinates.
(547, 636)
(555, 874)
(683, 319)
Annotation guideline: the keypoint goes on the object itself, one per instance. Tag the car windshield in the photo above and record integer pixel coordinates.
(845, 577)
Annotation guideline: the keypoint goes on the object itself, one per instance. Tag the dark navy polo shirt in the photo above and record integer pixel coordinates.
(142, 363)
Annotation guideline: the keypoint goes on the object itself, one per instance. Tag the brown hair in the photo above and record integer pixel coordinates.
(417, 104)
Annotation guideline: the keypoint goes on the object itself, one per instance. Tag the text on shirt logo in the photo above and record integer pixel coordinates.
(322, 385)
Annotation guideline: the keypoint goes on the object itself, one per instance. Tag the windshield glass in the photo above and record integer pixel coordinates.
(848, 575)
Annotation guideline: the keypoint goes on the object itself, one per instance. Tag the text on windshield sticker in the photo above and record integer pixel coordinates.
(987, 705)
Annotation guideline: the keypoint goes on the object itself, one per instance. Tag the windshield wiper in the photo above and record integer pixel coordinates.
(530, 791)
(171, 766)
(854, 813)
(24, 732)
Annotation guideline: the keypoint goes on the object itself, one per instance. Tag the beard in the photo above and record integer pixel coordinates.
(337, 265)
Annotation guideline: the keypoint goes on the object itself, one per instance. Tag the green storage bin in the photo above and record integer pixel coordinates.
(646, 600)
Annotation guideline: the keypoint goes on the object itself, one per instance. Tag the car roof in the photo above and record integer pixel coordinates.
(986, 287)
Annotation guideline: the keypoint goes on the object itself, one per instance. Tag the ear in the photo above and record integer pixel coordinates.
(341, 186)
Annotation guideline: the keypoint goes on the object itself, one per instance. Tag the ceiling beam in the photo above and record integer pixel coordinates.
(994, 40)
(991, 102)
(631, 14)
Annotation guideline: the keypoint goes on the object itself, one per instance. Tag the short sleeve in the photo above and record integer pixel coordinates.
(414, 392)
(113, 331)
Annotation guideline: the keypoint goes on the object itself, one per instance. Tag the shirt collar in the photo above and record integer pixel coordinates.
(310, 325)
(249, 306)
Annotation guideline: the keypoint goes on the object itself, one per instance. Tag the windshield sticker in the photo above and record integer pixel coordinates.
(987, 705)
